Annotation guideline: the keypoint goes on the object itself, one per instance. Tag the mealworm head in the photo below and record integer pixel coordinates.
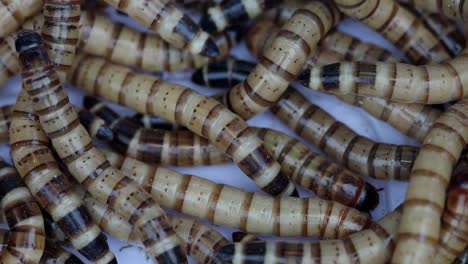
(27, 39)
(369, 199)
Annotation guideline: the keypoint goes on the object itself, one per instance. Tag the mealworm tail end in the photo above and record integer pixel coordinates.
(27, 39)
(369, 199)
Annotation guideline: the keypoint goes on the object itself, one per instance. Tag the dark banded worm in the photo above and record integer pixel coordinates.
(13, 13)
(283, 60)
(178, 104)
(423, 207)
(25, 240)
(49, 185)
(400, 26)
(370, 246)
(359, 154)
(234, 12)
(88, 166)
(5, 114)
(178, 148)
(149, 121)
(251, 212)
(170, 22)
(61, 32)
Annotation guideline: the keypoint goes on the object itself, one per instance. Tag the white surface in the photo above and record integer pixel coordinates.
(364, 124)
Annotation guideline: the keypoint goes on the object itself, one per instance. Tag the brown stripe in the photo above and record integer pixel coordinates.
(295, 38)
(349, 150)
(432, 175)
(418, 237)
(77, 154)
(212, 115)
(286, 150)
(181, 191)
(341, 220)
(276, 216)
(115, 37)
(329, 134)
(456, 76)
(315, 251)
(213, 202)
(141, 49)
(372, 12)
(93, 175)
(313, 16)
(440, 150)
(392, 78)
(304, 213)
(276, 69)
(351, 251)
(398, 158)
(421, 202)
(349, 6)
(152, 95)
(245, 208)
(371, 159)
(258, 99)
(124, 89)
(54, 107)
(390, 18)
(326, 218)
(65, 129)
(180, 105)
(383, 235)
(305, 118)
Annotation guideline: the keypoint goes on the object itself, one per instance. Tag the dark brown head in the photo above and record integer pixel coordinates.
(27, 39)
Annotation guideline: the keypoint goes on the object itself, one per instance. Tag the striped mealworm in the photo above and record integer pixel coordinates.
(149, 121)
(88, 166)
(5, 113)
(26, 236)
(312, 171)
(49, 185)
(61, 32)
(370, 246)
(172, 24)
(359, 154)
(178, 148)
(251, 212)
(423, 207)
(283, 60)
(14, 12)
(400, 26)
(201, 114)
(451, 8)
(233, 12)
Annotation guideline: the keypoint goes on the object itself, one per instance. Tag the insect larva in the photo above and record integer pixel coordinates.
(96, 127)
(370, 246)
(451, 8)
(251, 212)
(26, 236)
(223, 74)
(233, 12)
(314, 172)
(172, 24)
(61, 32)
(424, 202)
(178, 148)
(283, 60)
(14, 12)
(88, 166)
(357, 153)
(5, 113)
(49, 185)
(201, 114)
(149, 121)
(399, 25)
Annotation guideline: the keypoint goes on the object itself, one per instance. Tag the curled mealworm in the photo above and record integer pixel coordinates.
(88, 166)
(201, 114)
(14, 12)
(423, 207)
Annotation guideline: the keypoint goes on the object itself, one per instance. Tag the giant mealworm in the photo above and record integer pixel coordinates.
(283, 60)
(314, 172)
(370, 246)
(42, 174)
(399, 25)
(358, 153)
(88, 166)
(420, 224)
(172, 24)
(178, 148)
(177, 104)
(14, 12)
(233, 12)
(251, 212)
(26, 236)
(5, 113)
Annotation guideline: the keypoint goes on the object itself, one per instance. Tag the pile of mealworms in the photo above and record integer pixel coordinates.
(80, 172)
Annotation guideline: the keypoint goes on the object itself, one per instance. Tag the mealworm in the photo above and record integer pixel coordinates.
(400, 26)
(283, 60)
(372, 245)
(61, 32)
(172, 24)
(5, 113)
(201, 114)
(223, 74)
(48, 184)
(178, 148)
(420, 224)
(26, 236)
(149, 121)
(451, 8)
(251, 212)
(233, 12)
(357, 153)
(314, 172)
(96, 127)
(88, 166)
(14, 12)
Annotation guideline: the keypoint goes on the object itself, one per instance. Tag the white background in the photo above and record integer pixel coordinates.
(361, 122)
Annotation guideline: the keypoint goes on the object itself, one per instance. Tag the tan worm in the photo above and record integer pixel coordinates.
(457, 9)
(251, 212)
(170, 22)
(88, 166)
(5, 115)
(399, 25)
(370, 246)
(50, 187)
(178, 104)
(359, 154)
(283, 60)
(25, 241)
(423, 207)
(177, 148)
(13, 13)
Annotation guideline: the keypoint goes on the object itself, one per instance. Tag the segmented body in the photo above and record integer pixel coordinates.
(251, 212)
(202, 115)
(88, 166)
(49, 185)
(13, 13)
(357, 153)
(96, 127)
(451, 8)
(423, 207)
(25, 241)
(370, 246)
(223, 74)
(5, 114)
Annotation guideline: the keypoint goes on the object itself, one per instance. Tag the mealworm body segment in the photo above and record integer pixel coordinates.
(73, 144)
(222, 74)
(451, 8)
(96, 126)
(14, 12)
(150, 121)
